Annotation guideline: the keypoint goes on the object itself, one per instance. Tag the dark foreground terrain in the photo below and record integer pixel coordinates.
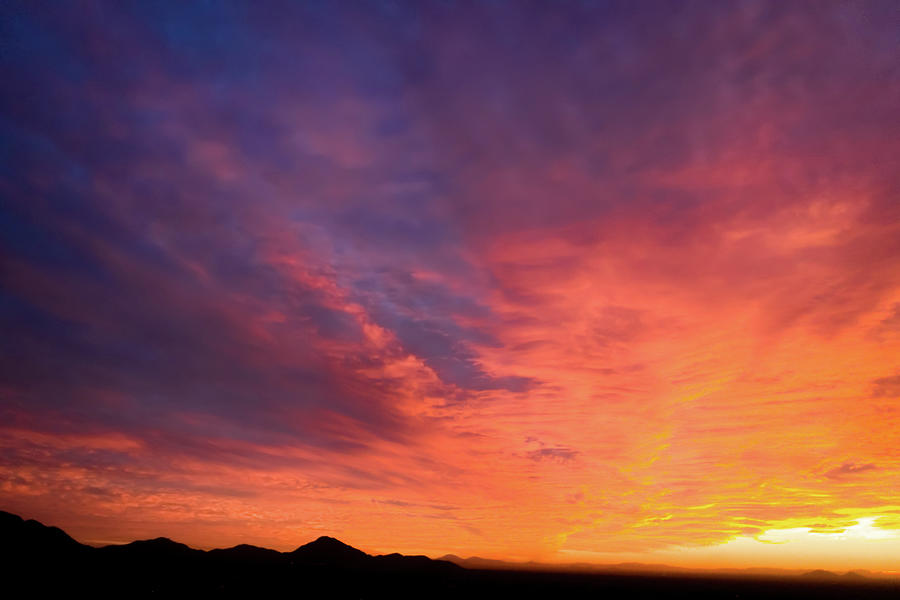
(40, 561)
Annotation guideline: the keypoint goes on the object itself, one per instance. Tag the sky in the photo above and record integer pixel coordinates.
(574, 281)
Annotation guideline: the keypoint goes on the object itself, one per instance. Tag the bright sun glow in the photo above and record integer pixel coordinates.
(864, 529)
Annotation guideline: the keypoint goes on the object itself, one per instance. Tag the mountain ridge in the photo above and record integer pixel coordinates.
(164, 566)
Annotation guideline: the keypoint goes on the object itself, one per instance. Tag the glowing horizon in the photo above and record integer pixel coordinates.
(525, 283)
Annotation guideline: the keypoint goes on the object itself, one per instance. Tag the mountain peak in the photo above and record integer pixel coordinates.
(328, 549)
(326, 539)
(160, 542)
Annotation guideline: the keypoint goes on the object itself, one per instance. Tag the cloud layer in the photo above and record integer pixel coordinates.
(486, 279)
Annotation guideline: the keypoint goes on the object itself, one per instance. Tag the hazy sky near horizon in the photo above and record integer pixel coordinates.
(525, 280)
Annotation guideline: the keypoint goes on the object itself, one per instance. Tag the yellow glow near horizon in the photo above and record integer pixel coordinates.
(863, 545)
(864, 529)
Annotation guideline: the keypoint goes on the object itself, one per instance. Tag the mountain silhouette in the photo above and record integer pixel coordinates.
(39, 561)
(328, 550)
(156, 547)
(31, 536)
(821, 574)
(245, 553)
(325, 567)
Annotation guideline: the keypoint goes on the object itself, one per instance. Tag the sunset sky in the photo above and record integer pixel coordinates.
(555, 281)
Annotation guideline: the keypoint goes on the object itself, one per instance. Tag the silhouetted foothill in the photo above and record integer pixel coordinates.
(399, 563)
(31, 536)
(156, 547)
(247, 554)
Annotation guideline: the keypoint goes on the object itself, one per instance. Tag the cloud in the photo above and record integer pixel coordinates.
(891, 322)
(849, 469)
(560, 454)
(259, 271)
(886, 387)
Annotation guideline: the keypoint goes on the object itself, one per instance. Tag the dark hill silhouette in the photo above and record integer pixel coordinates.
(476, 562)
(39, 561)
(398, 563)
(821, 574)
(831, 576)
(45, 560)
(248, 554)
(156, 547)
(328, 550)
(32, 536)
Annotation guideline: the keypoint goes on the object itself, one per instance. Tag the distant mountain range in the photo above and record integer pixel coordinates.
(477, 562)
(39, 561)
